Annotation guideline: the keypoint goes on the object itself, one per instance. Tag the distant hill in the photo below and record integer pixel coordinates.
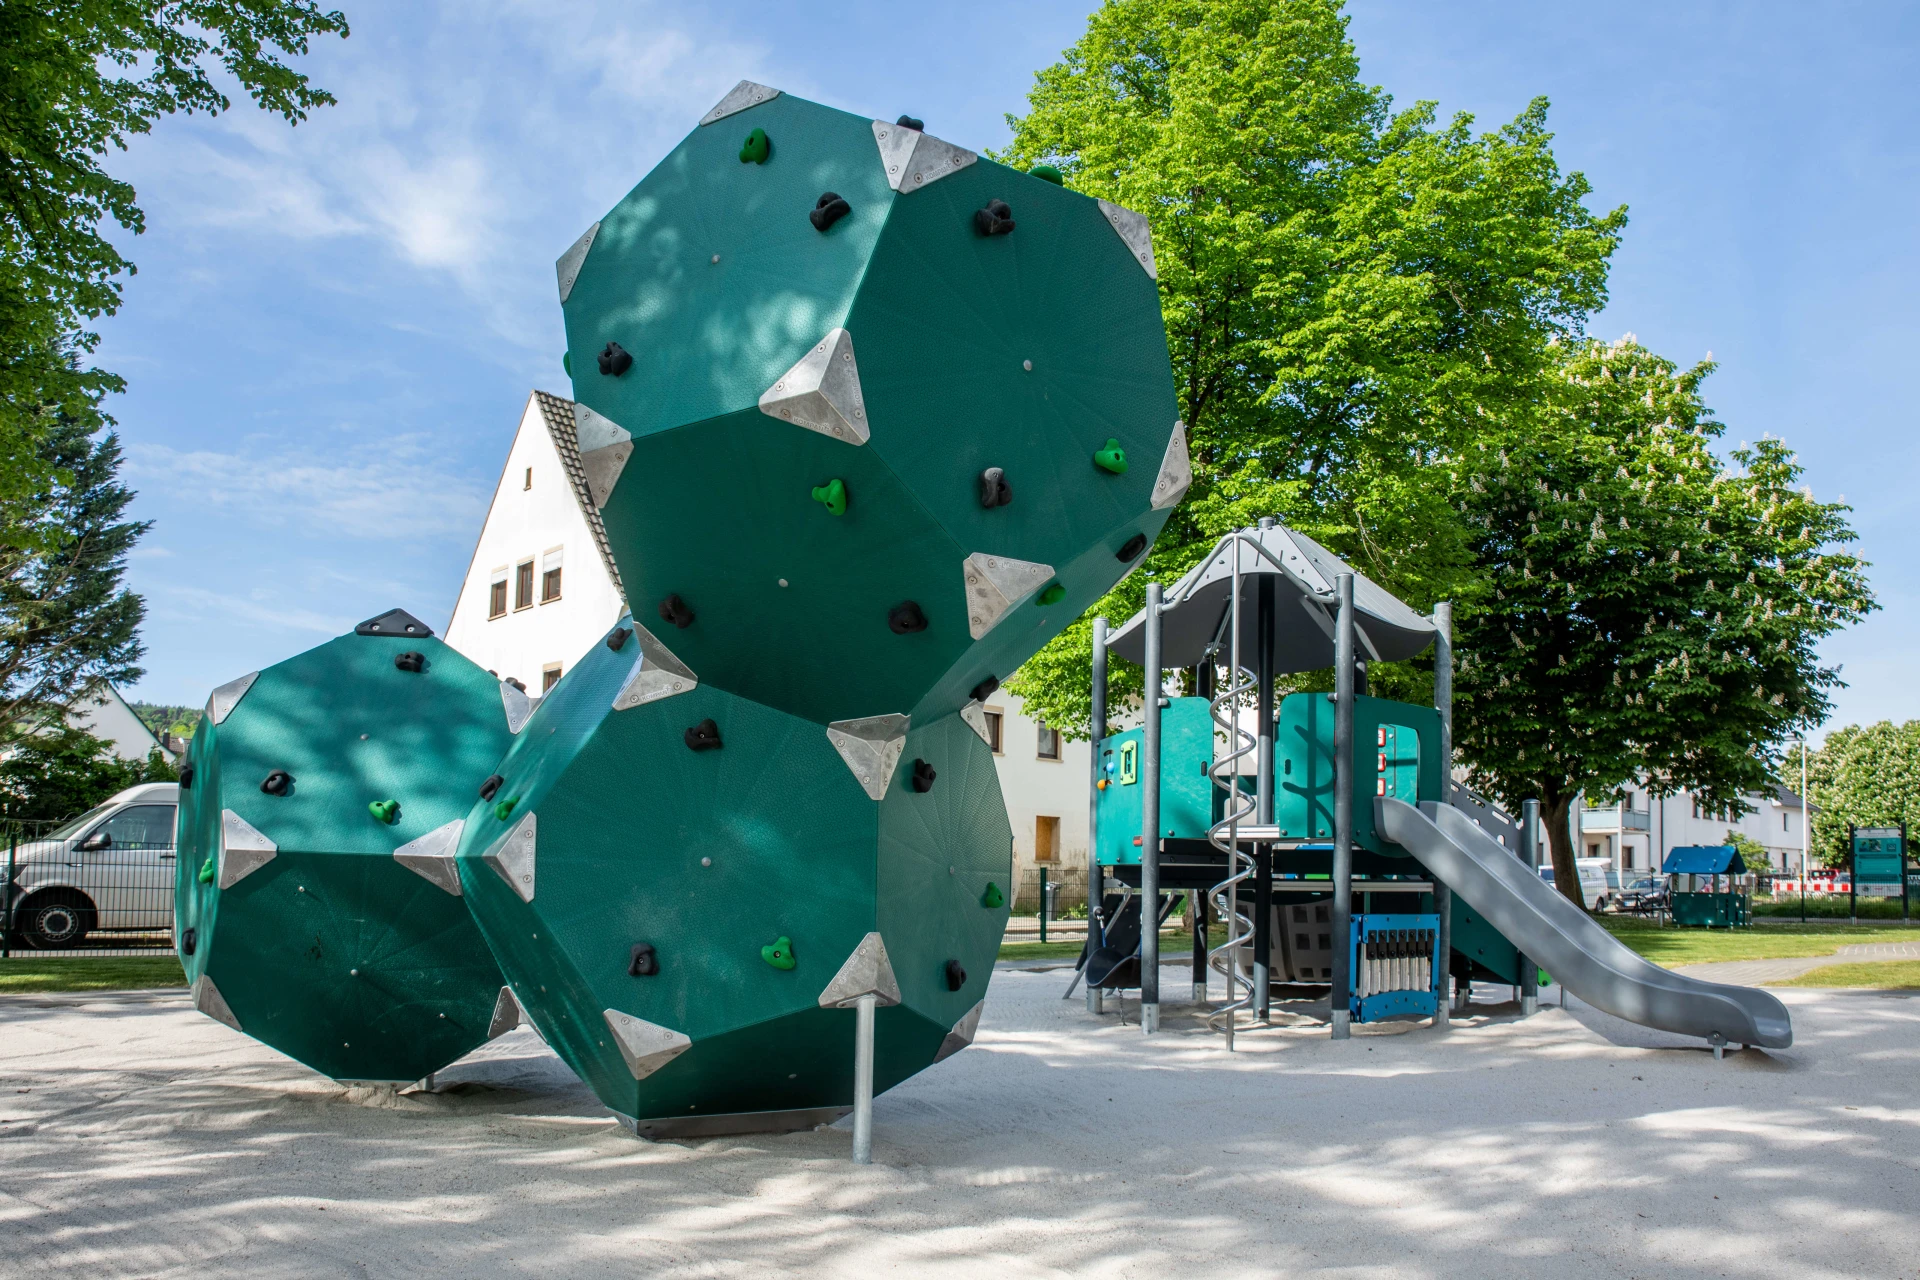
(164, 720)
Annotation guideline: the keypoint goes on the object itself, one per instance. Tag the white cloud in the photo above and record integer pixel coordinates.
(189, 603)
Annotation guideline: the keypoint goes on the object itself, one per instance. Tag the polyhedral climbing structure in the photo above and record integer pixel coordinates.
(869, 419)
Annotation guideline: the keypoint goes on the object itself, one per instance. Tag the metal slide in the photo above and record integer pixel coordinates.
(1568, 943)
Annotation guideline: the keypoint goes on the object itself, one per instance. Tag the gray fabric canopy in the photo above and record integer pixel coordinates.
(1303, 573)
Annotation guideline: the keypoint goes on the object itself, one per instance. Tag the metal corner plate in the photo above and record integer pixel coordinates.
(962, 1034)
(913, 158)
(867, 972)
(975, 715)
(995, 584)
(222, 701)
(431, 855)
(742, 96)
(604, 447)
(1176, 471)
(871, 747)
(1134, 231)
(244, 849)
(567, 268)
(511, 856)
(208, 1000)
(656, 673)
(506, 1014)
(646, 1046)
(821, 392)
(517, 705)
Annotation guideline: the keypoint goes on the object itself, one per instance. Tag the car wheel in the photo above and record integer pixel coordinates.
(55, 920)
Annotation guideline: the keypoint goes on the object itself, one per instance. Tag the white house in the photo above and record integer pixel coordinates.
(542, 587)
(107, 717)
(1636, 833)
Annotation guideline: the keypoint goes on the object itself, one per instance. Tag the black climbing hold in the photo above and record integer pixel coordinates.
(514, 681)
(704, 736)
(277, 783)
(923, 776)
(829, 209)
(491, 785)
(614, 360)
(394, 622)
(187, 939)
(756, 148)
(410, 661)
(906, 618)
(908, 122)
(643, 963)
(994, 489)
(956, 976)
(984, 690)
(996, 219)
(673, 609)
(186, 777)
(1133, 547)
(617, 638)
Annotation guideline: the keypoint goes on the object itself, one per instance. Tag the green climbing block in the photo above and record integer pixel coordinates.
(387, 811)
(833, 496)
(1047, 173)
(950, 352)
(309, 932)
(774, 836)
(756, 148)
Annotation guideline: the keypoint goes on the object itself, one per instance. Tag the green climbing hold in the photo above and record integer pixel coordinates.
(993, 897)
(387, 811)
(833, 496)
(505, 807)
(756, 149)
(1047, 173)
(566, 362)
(1053, 594)
(206, 872)
(779, 953)
(1111, 457)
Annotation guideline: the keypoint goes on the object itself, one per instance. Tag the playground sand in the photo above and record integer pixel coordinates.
(138, 1138)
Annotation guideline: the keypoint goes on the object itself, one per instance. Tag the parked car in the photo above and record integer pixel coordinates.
(1642, 896)
(1594, 886)
(110, 870)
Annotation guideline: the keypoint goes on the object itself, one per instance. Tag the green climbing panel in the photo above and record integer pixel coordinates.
(307, 932)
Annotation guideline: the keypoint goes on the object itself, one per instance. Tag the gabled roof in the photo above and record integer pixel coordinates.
(1703, 860)
(558, 415)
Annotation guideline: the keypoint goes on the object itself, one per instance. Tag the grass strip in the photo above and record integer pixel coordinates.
(1884, 975)
(22, 975)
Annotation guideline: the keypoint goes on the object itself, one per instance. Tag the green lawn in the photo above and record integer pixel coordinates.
(29, 973)
(1769, 941)
(1172, 942)
(1886, 975)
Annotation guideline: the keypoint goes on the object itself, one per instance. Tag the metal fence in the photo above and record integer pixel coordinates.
(89, 888)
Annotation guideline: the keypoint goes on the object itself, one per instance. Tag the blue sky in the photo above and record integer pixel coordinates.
(334, 327)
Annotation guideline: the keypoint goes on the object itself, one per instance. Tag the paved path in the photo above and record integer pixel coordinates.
(1757, 973)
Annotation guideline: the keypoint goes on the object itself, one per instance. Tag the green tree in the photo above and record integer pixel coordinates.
(67, 621)
(78, 78)
(1647, 612)
(1752, 852)
(1863, 776)
(52, 776)
(1348, 290)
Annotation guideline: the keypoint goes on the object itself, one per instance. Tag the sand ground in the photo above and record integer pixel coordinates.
(138, 1138)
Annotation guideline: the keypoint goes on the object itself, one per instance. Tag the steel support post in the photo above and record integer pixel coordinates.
(1263, 792)
(1197, 906)
(6, 912)
(1096, 874)
(1442, 894)
(1529, 854)
(1343, 695)
(863, 1080)
(1150, 825)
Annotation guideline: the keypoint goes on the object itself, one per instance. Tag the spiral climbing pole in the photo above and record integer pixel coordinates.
(1238, 808)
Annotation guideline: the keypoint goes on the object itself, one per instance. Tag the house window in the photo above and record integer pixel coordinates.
(523, 585)
(994, 721)
(1696, 808)
(1046, 839)
(529, 480)
(549, 676)
(1783, 821)
(497, 593)
(1048, 746)
(550, 576)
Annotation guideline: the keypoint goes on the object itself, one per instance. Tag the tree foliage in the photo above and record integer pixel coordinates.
(1646, 611)
(1347, 289)
(53, 776)
(79, 78)
(1863, 776)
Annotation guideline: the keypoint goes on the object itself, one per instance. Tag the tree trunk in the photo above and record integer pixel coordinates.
(1566, 874)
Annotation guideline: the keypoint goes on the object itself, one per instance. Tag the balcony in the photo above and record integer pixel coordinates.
(1615, 818)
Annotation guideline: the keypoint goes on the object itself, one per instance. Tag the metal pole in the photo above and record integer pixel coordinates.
(1906, 903)
(1096, 874)
(1442, 894)
(1853, 878)
(1043, 904)
(1343, 695)
(863, 1080)
(6, 929)
(1806, 829)
(1263, 791)
(1150, 826)
(1529, 854)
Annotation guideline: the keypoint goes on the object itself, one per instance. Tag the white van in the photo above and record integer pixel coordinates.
(110, 870)
(1594, 882)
